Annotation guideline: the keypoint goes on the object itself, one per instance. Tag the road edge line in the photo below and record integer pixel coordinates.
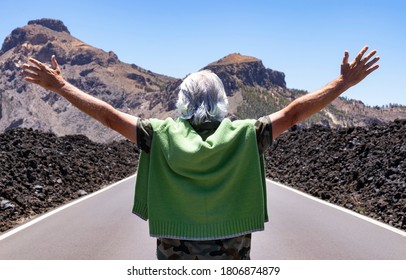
(63, 207)
(347, 211)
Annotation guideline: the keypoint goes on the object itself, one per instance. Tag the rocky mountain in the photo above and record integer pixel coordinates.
(257, 91)
(253, 90)
(236, 70)
(125, 86)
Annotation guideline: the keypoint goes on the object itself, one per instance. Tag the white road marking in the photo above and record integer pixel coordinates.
(44, 216)
(347, 211)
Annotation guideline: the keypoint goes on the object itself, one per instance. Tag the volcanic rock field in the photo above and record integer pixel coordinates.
(360, 168)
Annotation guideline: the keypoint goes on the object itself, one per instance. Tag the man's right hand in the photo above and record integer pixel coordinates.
(47, 77)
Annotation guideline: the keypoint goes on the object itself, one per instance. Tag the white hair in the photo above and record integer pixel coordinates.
(202, 98)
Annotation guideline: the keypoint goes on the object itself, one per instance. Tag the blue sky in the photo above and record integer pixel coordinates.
(304, 39)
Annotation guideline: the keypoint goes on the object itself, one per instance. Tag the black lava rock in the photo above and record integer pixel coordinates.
(360, 168)
(39, 171)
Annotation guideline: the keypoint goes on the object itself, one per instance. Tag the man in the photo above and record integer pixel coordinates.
(200, 180)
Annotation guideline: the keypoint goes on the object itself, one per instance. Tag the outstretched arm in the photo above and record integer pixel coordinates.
(303, 107)
(51, 78)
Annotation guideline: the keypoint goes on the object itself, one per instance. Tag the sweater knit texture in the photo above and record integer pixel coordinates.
(195, 189)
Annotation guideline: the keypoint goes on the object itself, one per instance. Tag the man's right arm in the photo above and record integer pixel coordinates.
(51, 79)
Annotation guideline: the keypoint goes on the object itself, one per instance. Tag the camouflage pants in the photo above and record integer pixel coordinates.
(237, 248)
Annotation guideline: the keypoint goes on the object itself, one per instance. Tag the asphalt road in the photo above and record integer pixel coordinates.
(102, 227)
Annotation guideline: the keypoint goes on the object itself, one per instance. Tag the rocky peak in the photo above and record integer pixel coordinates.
(37, 32)
(234, 58)
(235, 69)
(53, 24)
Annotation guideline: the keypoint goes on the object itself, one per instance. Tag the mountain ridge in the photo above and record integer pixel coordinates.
(253, 89)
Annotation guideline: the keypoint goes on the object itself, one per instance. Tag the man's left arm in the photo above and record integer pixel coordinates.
(303, 107)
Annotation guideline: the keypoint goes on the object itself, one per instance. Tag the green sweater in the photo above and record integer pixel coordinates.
(196, 189)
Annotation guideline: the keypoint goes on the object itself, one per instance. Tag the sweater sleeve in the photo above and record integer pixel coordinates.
(263, 128)
(144, 135)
